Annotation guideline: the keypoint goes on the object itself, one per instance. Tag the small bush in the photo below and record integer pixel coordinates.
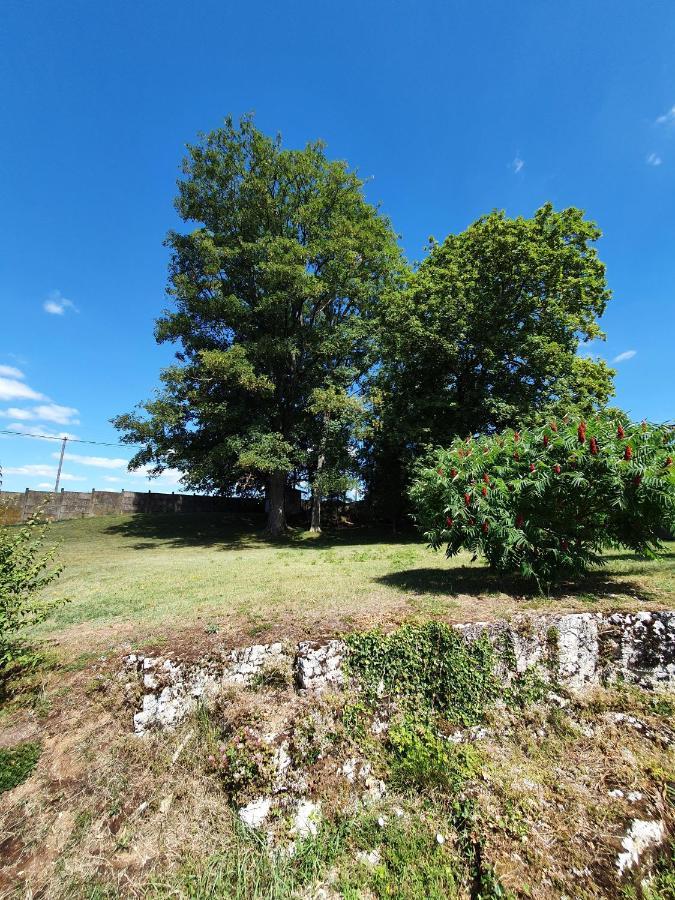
(423, 758)
(16, 764)
(25, 569)
(545, 503)
(244, 763)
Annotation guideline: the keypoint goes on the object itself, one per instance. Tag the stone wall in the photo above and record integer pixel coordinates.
(17, 507)
(575, 650)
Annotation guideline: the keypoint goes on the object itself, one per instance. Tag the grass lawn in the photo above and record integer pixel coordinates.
(140, 579)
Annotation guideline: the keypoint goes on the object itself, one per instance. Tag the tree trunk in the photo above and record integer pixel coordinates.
(315, 524)
(276, 508)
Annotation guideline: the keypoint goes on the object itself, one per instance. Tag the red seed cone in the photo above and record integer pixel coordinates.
(594, 446)
(628, 452)
(620, 432)
(483, 491)
(581, 432)
(448, 522)
(556, 469)
(485, 527)
(467, 499)
(486, 478)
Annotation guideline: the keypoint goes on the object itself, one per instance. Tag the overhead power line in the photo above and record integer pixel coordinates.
(54, 437)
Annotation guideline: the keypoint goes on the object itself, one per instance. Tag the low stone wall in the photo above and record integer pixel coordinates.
(576, 650)
(17, 507)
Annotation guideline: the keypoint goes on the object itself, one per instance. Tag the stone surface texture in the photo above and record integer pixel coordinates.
(576, 649)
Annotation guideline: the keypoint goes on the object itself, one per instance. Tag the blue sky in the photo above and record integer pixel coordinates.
(451, 108)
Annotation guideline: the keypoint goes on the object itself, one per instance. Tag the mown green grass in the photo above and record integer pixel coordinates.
(137, 569)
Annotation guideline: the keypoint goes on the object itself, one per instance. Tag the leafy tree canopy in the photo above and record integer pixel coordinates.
(274, 292)
(486, 336)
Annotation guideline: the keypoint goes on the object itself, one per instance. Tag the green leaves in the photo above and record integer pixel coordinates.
(26, 567)
(553, 502)
(274, 288)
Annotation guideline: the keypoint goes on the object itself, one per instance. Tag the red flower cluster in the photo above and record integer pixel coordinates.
(620, 432)
(581, 432)
(485, 527)
(669, 461)
(440, 470)
(483, 491)
(519, 521)
(453, 473)
(556, 469)
(516, 456)
(594, 447)
(628, 452)
(637, 480)
(554, 427)
(467, 499)
(532, 467)
(448, 522)
(516, 436)
(486, 478)
(546, 440)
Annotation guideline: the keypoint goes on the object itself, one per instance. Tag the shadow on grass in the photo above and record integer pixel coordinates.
(476, 581)
(242, 532)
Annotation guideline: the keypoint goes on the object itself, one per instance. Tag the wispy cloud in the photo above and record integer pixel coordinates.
(46, 412)
(11, 372)
(98, 462)
(56, 304)
(622, 357)
(112, 479)
(14, 389)
(14, 413)
(38, 431)
(518, 164)
(39, 470)
(667, 118)
(654, 159)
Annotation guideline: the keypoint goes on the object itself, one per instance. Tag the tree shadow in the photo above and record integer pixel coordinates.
(481, 580)
(241, 532)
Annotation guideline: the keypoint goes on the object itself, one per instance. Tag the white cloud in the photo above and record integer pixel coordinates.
(518, 164)
(667, 117)
(49, 412)
(14, 413)
(38, 431)
(622, 357)
(39, 470)
(98, 462)
(11, 372)
(654, 159)
(13, 389)
(112, 479)
(59, 415)
(56, 304)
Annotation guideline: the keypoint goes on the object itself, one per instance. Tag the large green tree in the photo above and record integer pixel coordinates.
(273, 291)
(486, 336)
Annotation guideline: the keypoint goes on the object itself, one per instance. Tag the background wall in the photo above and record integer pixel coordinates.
(16, 507)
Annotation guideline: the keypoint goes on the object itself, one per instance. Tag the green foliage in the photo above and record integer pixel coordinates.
(485, 336)
(244, 763)
(426, 666)
(274, 290)
(25, 569)
(545, 502)
(423, 758)
(16, 764)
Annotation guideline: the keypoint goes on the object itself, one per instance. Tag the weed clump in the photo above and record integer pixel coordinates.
(17, 763)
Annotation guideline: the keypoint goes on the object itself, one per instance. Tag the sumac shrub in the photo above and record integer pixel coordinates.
(545, 502)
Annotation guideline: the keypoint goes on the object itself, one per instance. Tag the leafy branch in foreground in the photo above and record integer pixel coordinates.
(544, 503)
(26, 567)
